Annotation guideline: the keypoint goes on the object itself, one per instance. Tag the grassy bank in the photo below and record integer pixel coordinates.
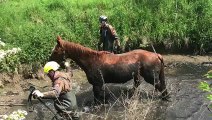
(34, 25)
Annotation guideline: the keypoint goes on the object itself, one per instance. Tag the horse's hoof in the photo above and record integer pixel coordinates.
(166, 98)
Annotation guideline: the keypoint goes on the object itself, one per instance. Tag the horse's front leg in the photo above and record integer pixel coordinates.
(97, 80)
(137, 77)
(137, 82)
(99, 94)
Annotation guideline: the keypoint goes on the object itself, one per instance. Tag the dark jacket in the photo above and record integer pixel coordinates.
(107, 37)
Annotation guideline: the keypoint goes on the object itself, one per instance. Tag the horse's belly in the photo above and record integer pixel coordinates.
(117, 77)
(119, 73)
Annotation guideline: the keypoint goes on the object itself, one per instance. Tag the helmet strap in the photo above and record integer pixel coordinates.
(51, 74)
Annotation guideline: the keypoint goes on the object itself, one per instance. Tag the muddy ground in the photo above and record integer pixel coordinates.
(183, 74)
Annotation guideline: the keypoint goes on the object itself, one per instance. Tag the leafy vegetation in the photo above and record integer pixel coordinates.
(10, 63)
(9, 58)
(33, 25)
(204, 86)
(15, 115)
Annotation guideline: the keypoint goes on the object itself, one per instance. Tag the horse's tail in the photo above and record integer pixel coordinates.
(162, 76)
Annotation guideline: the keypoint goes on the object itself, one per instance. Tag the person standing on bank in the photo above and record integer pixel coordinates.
(64, 97)
(108, 37)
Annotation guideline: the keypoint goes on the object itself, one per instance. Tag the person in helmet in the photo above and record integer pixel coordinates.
(64, 97)
(108, 37)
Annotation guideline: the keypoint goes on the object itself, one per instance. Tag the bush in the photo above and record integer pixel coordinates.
(10, 60)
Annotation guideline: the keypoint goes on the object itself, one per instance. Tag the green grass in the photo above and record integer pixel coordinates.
(33, 25)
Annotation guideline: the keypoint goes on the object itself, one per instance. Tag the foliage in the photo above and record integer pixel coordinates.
(9, 59)
(209, 74)
(16, 115)
(204, 86)
(10, 63)
(33, 25)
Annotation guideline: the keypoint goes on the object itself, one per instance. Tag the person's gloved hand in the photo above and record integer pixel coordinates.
(37, 93)
(67, 64)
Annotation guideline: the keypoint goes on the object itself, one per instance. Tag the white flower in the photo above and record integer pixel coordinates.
(9, 52)
(13, 51)
(16, 115)
(2, 43)
(5, 116)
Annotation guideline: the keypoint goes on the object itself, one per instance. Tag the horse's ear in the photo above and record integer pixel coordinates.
(59, 39)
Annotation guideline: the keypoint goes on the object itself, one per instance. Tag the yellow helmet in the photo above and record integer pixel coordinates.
(52, 65)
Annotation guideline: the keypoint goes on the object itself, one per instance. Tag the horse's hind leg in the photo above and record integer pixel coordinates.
(99, 95)
(154, 79)
(163, 83)
(137, 82)
(162, 89)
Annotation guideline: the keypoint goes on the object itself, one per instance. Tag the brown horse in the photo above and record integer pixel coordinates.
(105, 67)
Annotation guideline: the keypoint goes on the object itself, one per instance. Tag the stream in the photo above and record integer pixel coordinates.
(187, 101)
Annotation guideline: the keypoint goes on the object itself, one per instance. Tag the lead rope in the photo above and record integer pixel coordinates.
(29, 101)
(55, 114)
(30, 106)
(153, 48)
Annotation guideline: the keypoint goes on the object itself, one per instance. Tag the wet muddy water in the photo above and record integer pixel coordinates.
(182, 84)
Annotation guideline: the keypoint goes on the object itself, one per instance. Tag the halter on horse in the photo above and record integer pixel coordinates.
(104, 67)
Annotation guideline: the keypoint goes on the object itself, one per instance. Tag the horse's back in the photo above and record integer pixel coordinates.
(141, 55)
(131, 57)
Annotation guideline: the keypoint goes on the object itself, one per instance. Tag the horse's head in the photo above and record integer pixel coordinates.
(58, 52)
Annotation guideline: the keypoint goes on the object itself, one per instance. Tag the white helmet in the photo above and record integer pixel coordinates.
(52, 65)
(102, 18)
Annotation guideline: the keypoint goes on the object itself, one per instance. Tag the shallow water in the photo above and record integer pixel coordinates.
(146, 104)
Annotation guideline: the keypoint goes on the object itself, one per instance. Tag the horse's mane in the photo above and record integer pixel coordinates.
(80, 48)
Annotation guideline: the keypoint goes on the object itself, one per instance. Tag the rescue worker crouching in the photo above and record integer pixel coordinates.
(108, 37)
(64, 97)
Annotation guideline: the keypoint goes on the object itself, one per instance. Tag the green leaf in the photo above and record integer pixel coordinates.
(209, 76)
(204, 86)
(209, 97)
